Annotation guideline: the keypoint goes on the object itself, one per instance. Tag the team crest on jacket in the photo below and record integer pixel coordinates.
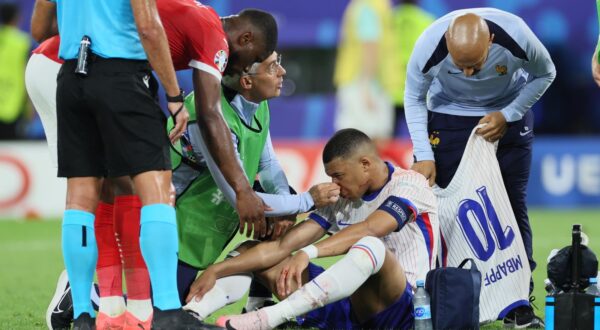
(221, 60)
(501, 70)
(434, 139)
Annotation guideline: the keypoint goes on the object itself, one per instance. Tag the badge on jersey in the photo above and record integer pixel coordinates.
(434, 139)
(502, 70)
(221, 60)
(400, 208)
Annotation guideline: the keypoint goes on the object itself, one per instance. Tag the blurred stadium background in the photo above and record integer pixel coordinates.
(564, 185)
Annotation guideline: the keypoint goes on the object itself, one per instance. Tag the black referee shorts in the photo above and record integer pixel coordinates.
(109, 123)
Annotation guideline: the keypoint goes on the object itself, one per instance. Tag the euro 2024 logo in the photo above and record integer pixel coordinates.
(221, 60)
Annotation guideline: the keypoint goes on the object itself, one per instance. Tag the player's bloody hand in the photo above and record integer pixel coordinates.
(495, 128)
(180, 120)
(251, 210)
(427, 168)
(290, 278)
(324, 194)
(202, 285)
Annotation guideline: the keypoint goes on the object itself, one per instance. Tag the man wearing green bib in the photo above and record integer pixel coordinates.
(206, 220)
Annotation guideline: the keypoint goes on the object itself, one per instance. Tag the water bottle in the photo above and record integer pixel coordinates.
(592, 289)
(422, 307)
(550, 288)
(83, 56)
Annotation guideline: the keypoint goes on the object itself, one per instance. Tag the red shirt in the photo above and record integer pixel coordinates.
(196, 36)
(49, 48)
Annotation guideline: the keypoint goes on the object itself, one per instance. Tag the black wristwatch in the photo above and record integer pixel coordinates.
(175, 99)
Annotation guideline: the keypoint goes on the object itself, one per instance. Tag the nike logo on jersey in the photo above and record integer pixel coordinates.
(453, 72)
(527, 131)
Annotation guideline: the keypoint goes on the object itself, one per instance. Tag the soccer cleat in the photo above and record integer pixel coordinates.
(523, 317)
(257, 320)
(60, 311)
(266, 303)
(84, 322)
(133, 323)
(177, 319)
(105, 322)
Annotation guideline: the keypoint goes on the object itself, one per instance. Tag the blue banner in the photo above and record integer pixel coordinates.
(565, 172)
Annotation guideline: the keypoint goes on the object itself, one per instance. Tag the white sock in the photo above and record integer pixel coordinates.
(226, 291)
(141, 309)
(112, 306)
(364, 259)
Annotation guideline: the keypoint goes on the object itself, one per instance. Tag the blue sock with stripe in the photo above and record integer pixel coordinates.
(159, 245)
(80, 254)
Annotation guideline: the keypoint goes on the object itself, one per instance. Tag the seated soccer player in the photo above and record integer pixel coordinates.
(206, 219)
(385, 226)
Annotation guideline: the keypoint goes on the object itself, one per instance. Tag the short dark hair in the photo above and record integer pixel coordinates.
(265, 24)
(8, 12)
(343, 143)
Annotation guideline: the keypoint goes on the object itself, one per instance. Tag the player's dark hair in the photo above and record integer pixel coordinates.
(265, 24)
(343, 143)
(8, 12)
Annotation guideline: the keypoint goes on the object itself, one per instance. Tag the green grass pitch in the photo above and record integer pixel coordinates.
(31, 261)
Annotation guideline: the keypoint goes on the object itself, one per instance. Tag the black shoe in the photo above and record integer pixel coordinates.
(177, 319)
(267, 303)
(60, 311)
(84, 322)
(523, 317)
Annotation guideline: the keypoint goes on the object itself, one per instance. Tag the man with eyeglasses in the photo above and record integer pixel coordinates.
(206, 218)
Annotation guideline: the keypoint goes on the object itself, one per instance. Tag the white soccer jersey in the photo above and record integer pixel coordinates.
(415, 245)
(477, 222)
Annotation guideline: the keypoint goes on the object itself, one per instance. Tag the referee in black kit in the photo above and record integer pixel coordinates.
(109, 124)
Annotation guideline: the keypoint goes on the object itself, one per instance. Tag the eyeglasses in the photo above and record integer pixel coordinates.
(272, 69)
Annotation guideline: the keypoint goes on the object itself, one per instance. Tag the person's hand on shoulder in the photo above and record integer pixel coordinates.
(427, 169)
